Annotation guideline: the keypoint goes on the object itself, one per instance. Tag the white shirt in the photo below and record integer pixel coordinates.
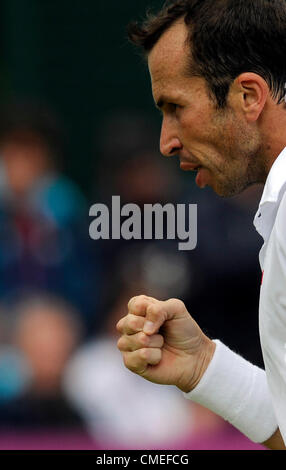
(270, 222)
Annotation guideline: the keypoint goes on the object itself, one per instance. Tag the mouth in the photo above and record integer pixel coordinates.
(187, 166)
(202, 178)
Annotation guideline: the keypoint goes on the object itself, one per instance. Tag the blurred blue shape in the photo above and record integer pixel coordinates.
(15, 374)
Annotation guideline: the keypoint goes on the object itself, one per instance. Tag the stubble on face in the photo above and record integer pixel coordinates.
(241, 163)
(219, 140)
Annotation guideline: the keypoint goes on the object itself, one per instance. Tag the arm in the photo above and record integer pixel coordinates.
(161, 342)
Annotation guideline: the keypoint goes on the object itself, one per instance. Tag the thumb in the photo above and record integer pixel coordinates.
(158, 313)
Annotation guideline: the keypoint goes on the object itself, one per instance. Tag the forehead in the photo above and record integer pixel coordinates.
(168, 59)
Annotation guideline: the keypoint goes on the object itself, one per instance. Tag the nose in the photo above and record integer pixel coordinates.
(169, 142)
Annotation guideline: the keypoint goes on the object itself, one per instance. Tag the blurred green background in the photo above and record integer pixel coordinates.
(75, 56)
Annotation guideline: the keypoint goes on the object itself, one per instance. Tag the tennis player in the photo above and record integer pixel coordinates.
(218, 73)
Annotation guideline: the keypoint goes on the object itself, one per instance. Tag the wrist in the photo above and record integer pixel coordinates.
(199, 363)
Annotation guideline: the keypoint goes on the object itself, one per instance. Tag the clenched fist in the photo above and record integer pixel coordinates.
(161, 342)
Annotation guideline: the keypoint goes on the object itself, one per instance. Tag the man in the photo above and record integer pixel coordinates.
(218, 75)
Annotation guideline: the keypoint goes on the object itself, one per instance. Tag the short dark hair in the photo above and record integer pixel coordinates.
(226, 38)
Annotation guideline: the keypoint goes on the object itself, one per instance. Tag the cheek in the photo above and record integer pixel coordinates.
(196, 124)
(188, 129)
(196, 134)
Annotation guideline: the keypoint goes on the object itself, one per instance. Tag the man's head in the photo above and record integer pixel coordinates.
(218, 75)
(31, 144)
(46, 330)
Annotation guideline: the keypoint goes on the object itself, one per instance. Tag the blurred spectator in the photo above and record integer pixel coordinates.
(44, 239)
(44, 332)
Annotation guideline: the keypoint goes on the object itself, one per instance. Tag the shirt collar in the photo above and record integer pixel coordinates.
(274, 189)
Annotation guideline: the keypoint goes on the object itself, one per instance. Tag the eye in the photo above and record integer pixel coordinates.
(174, 107)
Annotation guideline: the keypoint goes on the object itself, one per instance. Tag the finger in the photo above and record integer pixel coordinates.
(138, 361)
(161, 311)
(137, 305)
(139, 341)
(130, 324)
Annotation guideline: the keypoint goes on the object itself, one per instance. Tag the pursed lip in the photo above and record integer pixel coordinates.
(188, 166)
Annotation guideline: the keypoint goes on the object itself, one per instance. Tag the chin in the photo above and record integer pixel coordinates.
(227, 191)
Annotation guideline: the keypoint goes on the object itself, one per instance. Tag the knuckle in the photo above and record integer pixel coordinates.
(133, 323)
(131, 301)
(133, 361)
(119, 325)
(142, 297)
(139, 302)
(136, 304)
(121, 343)
(126, 360)
(152, 310)
(144, 353)
(143, 339)
(178, 304)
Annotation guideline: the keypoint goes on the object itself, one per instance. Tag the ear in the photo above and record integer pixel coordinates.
(252, 92)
